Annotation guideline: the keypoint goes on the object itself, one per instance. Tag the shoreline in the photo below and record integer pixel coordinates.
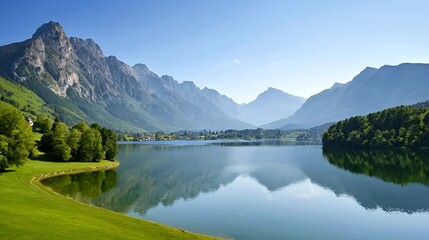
(49, 215)
(36, 179)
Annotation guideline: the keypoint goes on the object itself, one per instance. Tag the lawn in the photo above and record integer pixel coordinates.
(28, 210)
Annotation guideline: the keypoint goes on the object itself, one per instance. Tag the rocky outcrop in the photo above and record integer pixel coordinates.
(81, 83)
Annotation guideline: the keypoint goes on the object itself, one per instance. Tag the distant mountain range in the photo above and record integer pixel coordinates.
(77, 81)
(271, 105)
(370, 91)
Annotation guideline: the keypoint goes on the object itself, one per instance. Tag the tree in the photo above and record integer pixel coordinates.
(60, 149)
(16, 137)
(110, 146)
(96, 126)
(81, 126)
(98, 152)
(74, 141)
(90, 148)
(46, 142)
(84, 152)
(43, 124)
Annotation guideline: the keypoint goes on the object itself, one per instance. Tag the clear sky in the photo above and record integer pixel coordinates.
(240, 47)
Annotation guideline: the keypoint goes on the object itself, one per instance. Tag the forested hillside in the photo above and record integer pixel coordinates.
(403, 126)
(23, 99)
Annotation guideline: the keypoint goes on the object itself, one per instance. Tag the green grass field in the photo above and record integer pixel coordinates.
(28, 210)
(24, 99)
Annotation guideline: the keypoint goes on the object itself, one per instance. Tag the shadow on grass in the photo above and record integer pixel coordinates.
(44, 158)
(6, 171)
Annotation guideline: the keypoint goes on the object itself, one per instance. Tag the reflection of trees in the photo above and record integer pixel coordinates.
(166, 174)
(162, 174)
(83, 186)
(397, 166)
(267, 142)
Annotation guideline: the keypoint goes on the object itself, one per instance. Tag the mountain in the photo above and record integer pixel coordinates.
(187, 97)
(224, 103)
(271, 105)
(80, 83)
(23, 99)
(370, 91)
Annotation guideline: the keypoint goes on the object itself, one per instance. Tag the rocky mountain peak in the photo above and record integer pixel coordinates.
(86, 46)
(272, 93)
(52, 58)
(52, 36)
(141, 66)
(51, 30)
(189, 84)
(337, 85)
(143, 71)
(273, 90)
(167, 78)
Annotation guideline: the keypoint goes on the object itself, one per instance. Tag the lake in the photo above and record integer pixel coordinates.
(263, 190)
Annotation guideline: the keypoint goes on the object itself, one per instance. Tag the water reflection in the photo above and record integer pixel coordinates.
(397, 166)
(267, 142)
(394, 180)
(162, 174)
(153, 175)
(83, 186)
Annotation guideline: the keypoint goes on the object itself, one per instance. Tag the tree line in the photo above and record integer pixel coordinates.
(402, 126)
(61, 143)
(81, 143)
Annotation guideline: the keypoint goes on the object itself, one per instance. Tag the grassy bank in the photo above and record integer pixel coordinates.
(28, 210)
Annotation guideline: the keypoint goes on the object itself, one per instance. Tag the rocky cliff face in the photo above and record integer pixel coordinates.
(82, 84)
(51, 58)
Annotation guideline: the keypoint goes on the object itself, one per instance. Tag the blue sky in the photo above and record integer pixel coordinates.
(240, 47)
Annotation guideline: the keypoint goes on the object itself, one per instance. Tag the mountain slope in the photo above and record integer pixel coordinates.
(271, 105)
(24, 99)
(82, 84)
(187, 98)
(370, 91)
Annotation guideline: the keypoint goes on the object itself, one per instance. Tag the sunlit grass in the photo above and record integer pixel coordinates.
(28, 210)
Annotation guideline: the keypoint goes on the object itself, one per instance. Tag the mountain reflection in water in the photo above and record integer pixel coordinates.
(162, 174)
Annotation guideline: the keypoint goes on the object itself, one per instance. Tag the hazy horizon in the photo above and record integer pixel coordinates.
(240, 48)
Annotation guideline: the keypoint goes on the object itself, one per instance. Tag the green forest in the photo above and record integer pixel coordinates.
(81, 143)
(404, 126)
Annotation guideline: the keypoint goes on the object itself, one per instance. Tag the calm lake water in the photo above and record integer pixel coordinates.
(264, 190)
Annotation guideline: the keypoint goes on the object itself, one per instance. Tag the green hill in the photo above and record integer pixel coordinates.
(23, 98)
(404, 126)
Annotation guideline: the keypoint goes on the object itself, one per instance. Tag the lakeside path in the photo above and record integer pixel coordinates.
(28, 210)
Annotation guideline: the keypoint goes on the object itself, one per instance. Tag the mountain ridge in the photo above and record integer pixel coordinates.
(370, 91)
(270, 105)
(82, 84)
